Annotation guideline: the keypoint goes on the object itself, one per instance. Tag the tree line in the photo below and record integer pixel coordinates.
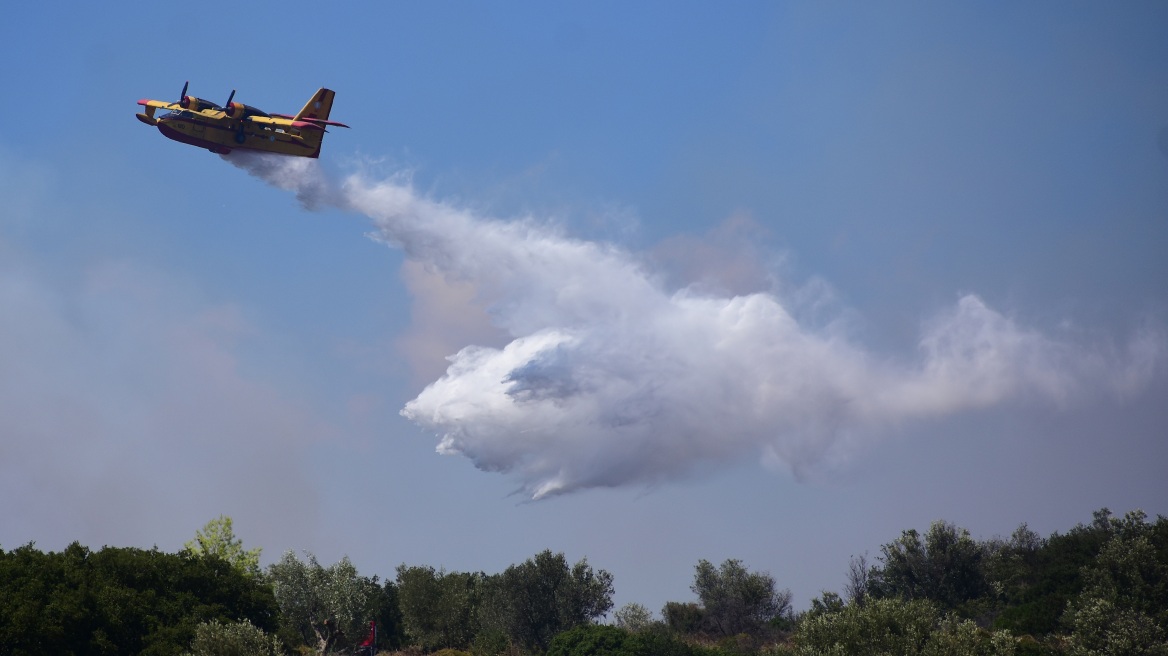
(1099, 588)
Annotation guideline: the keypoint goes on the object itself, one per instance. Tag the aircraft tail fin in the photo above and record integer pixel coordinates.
(318, 106)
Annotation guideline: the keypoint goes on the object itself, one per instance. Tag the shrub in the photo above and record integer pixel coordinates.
(216, 638)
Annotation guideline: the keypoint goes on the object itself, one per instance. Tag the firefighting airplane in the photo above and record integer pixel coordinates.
(204, 124)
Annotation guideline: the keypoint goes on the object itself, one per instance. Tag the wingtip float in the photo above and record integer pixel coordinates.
(221, 129)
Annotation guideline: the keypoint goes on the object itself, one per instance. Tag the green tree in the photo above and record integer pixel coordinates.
(439, 608)
(601, 640)
(592, 640)
(827, 602)
(119, 600)
(1047, 575)
(217, 638)
(880, 626)
(633, 617)
(385, 609)
(218, 539)
(1100, 627)
(1012, 565)
(1123, 608)
(946, 567)
(896, 627)
(533, 601)
(683, 618)
(856, 589)
(735, 600)
(491, 642)
(326, 607)
(957, 637)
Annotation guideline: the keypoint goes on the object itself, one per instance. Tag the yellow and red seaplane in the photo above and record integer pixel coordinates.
(220, 130)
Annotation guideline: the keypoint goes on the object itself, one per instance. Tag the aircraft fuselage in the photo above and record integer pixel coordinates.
(202, 123)
(190, 128)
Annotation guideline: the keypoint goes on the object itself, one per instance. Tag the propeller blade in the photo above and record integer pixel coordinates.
(228, 105)
(182, 99)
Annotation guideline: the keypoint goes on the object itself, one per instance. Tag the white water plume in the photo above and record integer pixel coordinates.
(611, 379)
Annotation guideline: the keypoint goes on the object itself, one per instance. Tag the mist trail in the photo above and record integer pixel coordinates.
(611, 379)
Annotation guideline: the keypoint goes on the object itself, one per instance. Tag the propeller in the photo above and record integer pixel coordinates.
(183, 100)
(228, 103)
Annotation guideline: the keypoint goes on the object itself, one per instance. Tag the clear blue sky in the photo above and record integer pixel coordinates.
(961, 208)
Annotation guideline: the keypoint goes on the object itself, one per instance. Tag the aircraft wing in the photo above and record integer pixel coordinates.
(160, 104)
(314, 120)
(308, 124)
(268, 120)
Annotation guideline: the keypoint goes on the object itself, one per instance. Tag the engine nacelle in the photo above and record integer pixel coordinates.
(196, 104)
(240, 110)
